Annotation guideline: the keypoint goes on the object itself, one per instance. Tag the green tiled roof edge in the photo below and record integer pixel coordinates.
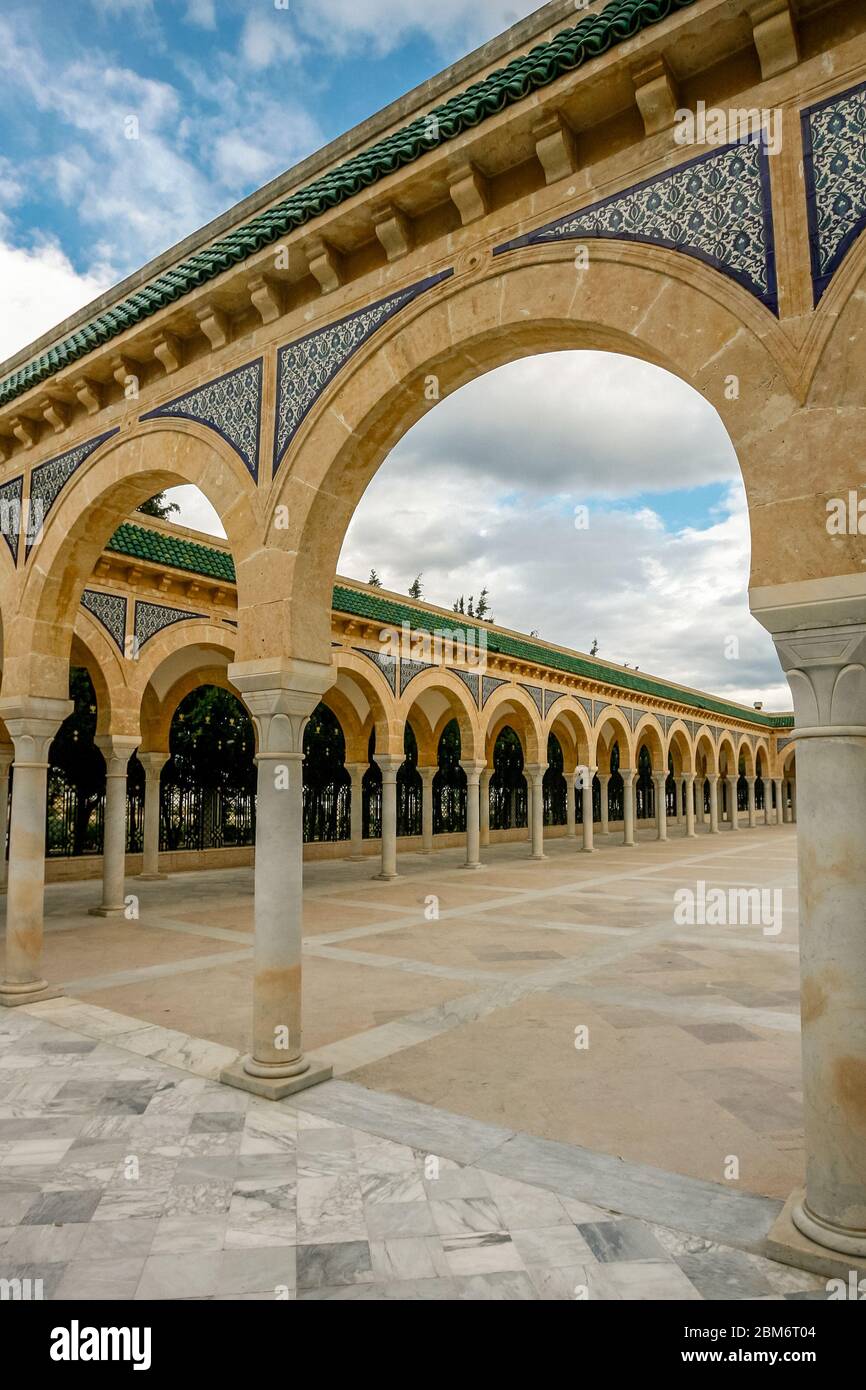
(592, 36)
(388, 612)
(146, 543)
(142, 543)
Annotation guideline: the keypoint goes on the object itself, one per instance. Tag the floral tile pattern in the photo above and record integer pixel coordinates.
(231, 405)
(834, 163)
(110, 610)
(151, 618)
(306, 367)
(715, 207)
(11, 495)
(48, 480)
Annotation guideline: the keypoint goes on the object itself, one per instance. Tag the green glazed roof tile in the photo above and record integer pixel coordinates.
(588, 39)
(146, 543)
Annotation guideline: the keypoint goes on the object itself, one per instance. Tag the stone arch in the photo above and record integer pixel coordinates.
(363, 685)
(644, 301)
(706, 759)
(762, 759)
(728, 764)
(649, 733)
(117, 708)
(611, 727)
(746, 756)
(104, 492)
(157, 714)
(567, 719)
(356, 731)
(679, 748)
(509, 705)
(428, 691)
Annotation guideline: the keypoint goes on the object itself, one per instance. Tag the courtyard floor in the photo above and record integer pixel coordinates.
(467, 1147)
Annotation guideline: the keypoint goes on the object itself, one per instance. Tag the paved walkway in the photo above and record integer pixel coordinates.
(122, 1177)
(468, 991)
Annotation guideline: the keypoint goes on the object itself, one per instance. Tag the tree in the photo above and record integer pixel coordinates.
(374, 581)
(415, 587)
(459, 605)
(593, 651)
(482, 607)
(158, 506)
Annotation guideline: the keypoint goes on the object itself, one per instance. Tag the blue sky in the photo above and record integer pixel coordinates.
(127, 124)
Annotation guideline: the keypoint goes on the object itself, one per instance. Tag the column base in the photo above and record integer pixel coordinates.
(537, 858)
(275, 1087)
(384, 878)
(13, 996)
(106, 911)
(790, 1243)
(151, 878)
(473, 866)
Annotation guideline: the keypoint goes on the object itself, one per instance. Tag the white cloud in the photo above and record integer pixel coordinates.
(40, 288)
(666, 597)
(202, 13)
(269, 39)
(385, 24)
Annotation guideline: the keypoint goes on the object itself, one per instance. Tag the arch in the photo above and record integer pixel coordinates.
(511, 705)
(643, 301)
(429, 691)
(363, 685)
(649, 734)
(121, 475)
(745, 757)
(611, 728)
(568, 721)
(158, 714)
(680, 750)
(728, 764)
(117, 709)
(706, 760)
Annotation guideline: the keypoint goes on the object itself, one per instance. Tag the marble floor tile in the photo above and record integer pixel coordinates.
(339, 1263)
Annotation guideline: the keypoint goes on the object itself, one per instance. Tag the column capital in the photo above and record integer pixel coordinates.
(32, 722)
(535, 771)
(428, 772)
(356, 769)
(280, 696)
(688, 777)
(116, 749)
(627, 775)
(826, 670)
(473, 767)
(389, 764)
(712, 778)
(153, 762)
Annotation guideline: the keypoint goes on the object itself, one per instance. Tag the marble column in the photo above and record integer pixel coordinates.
(627, 775)
(535, 779)
(714, 803)
(32, 723)
(512, 813)
(280, 697)
(661, 806)
(484, 793)
(826, 670)
(780, 805)
(357, 772)
(733, 811)
(6, 756)
(571, 781)
(390, 766)
(585, 779)
(604, 782)
(753, 814)
(116, 749)
(427, 775)
(153, 763)
(528, 780)
(691, 833)
(473, 772)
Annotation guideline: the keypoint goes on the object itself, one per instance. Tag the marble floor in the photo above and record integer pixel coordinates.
(562, 999)
(123, 1177)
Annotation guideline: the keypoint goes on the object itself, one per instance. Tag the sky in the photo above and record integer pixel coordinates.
(127, 124)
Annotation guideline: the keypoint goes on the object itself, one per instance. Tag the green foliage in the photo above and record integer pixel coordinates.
(212, 743)
(158, 507)
(374, 581)
(415, 587)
